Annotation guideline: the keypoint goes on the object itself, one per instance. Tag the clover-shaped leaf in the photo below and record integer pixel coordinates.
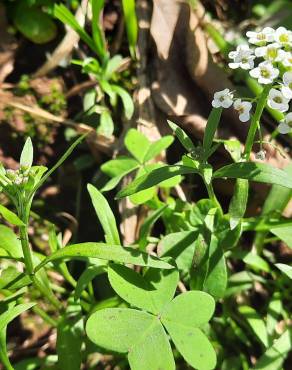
(150, 292)
(142, 335)
(182, 318)
(137, 333)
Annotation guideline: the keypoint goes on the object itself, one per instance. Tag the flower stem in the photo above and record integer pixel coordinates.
(256, 121)
(28, 261)
(212, 196)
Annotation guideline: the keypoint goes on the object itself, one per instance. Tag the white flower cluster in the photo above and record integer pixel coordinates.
(18, 177)
(225, 99)
(274, 47)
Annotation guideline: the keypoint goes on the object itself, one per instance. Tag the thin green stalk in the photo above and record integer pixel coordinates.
(212, 196)
(256, 121)
(26, 249)
(48, 319)
(29, 263)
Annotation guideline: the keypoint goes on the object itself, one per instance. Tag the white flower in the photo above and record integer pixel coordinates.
(277, 101)
(286, 125)
(287, 59)
(262, 37)
(287, 85)
(283, 37)
(271, 52)
(265, 73)
(242, 57)
(223, 99)
(243, 108)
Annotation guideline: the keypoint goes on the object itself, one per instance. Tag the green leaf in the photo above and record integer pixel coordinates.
(259, 172)
(26, 157)
(137, 144)
(10, 242)
(126, 100)
(139, 333)
(118, 166)
(88, 275)
(233, 147)
(209, 272)
(65, 16)
(148, 224)
(256, 261)
(34, 24)
(182, 137)
(59, 162)
(69, 339)
(10, 216)
(150, 292)
(12, 313)
(97, 31)
(182, 318)
(153, 350)
(181, 247)
(285, 268)
(105, 215)
(275, 356)
(3, 351)
(106, 125)
(284, 233)
(275, 308)
(113, 65)
(256, 323)
(106, 252)
(154, 178)
(211, 127)
(157, 147)
(131, 23)
(237, 206)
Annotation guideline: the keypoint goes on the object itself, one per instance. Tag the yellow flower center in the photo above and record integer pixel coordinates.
(284, 38)
(265, 73)
(272, 53)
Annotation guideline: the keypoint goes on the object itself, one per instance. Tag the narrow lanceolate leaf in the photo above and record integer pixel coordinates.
(69, 339)
(238, 202)
(10, 216)
(10, 242)
(157, 147)
(154, 178)
(256, 323)
(89, 274)
(210, 130)
(59, 162)
(105, 215)
(131, 22)
(135, 332)
(150, 292)
(259, 172)
(285, 268)
(182, 136)
(12, 313)
(274, 356)
(284, 233)
(106, 252)
(26, 157)
(97, 31)
(182, 318)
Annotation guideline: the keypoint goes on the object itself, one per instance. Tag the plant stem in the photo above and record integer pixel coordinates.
(45, 316)
(256, 121)
(212, 196)
(28, 261)
(26, 249)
